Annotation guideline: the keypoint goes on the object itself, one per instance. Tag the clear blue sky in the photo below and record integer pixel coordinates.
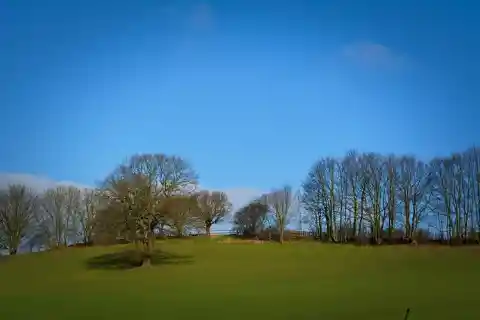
(251, 92)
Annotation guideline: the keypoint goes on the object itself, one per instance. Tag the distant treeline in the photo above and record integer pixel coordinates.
(363, 198)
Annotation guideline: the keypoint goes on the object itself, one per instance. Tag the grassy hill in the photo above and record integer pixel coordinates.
(213, 280)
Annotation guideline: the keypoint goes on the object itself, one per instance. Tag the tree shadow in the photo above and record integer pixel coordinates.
(129, 259)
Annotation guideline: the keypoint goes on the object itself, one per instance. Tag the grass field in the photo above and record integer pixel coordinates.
(211, 280)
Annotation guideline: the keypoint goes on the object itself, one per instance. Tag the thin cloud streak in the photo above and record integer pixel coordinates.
(373, 55)
(197, 17)
(35, 183)
(202, 16)
(237, 196)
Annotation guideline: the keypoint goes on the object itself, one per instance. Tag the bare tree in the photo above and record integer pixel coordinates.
(442, 170)
(353, 173)
(86, 215)
(392, 177)
(313, 198)
(58, 210)
(17, 210)
(213, 207)
(170, 175)
(375, 192)
(166, 175)
(474, 179)
(182, 213)
(342, 189)
(319, 196)
(281, 203)
(114, 217)
(251, 219)
(132, 206)
(72, 212)
(135, 195)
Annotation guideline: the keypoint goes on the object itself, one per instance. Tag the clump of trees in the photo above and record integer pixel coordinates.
(383, 198)
(270, 213)
(147, 196)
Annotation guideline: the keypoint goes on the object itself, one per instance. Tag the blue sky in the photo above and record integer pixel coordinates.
(251, 92)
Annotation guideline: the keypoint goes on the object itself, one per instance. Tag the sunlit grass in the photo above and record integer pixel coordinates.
(215, 280)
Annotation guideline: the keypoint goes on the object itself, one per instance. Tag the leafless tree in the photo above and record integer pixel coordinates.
(353, 173)
(282, 204)
(182, 213)
(251, 219)
(169, 174)
(136, 190)
(475, 181)
(17, 211)
(442, 170)
(319, 196)
(58, 210)
(132, 205)
(374, 168)
(313, 198)
(392, 180)
(213, 207)
(87, 213)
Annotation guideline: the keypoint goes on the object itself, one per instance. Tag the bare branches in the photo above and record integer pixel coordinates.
(138, 193)
(59, 208)
(250, 220)
(168, 174)
(363, 195)
(213, 207)
(281, 203)
(86, 216)
(182, 212)
(371, 191)
(17, 210)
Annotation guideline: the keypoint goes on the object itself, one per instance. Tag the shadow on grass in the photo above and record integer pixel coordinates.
(129, 259)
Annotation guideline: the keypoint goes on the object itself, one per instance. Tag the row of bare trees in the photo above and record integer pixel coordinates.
(57, 217)
(386, 197)
(148, 195)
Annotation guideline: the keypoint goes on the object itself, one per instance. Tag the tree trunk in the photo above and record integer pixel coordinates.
(147, 261)
(12, 251)
(147, 252)
(355, 216)
(281, 235)
(151, 241)
(208, 228)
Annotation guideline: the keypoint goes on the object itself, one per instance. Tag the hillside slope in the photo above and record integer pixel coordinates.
(208, 279)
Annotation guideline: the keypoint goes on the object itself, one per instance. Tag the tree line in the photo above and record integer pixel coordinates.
(373, 198)
(147, 196)
(363, 197)
(386, 198)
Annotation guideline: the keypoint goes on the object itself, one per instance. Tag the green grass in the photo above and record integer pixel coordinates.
(212, 280)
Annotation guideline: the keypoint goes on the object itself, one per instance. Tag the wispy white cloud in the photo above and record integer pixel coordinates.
(375, 55)
(199, 16)
(35, 182)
